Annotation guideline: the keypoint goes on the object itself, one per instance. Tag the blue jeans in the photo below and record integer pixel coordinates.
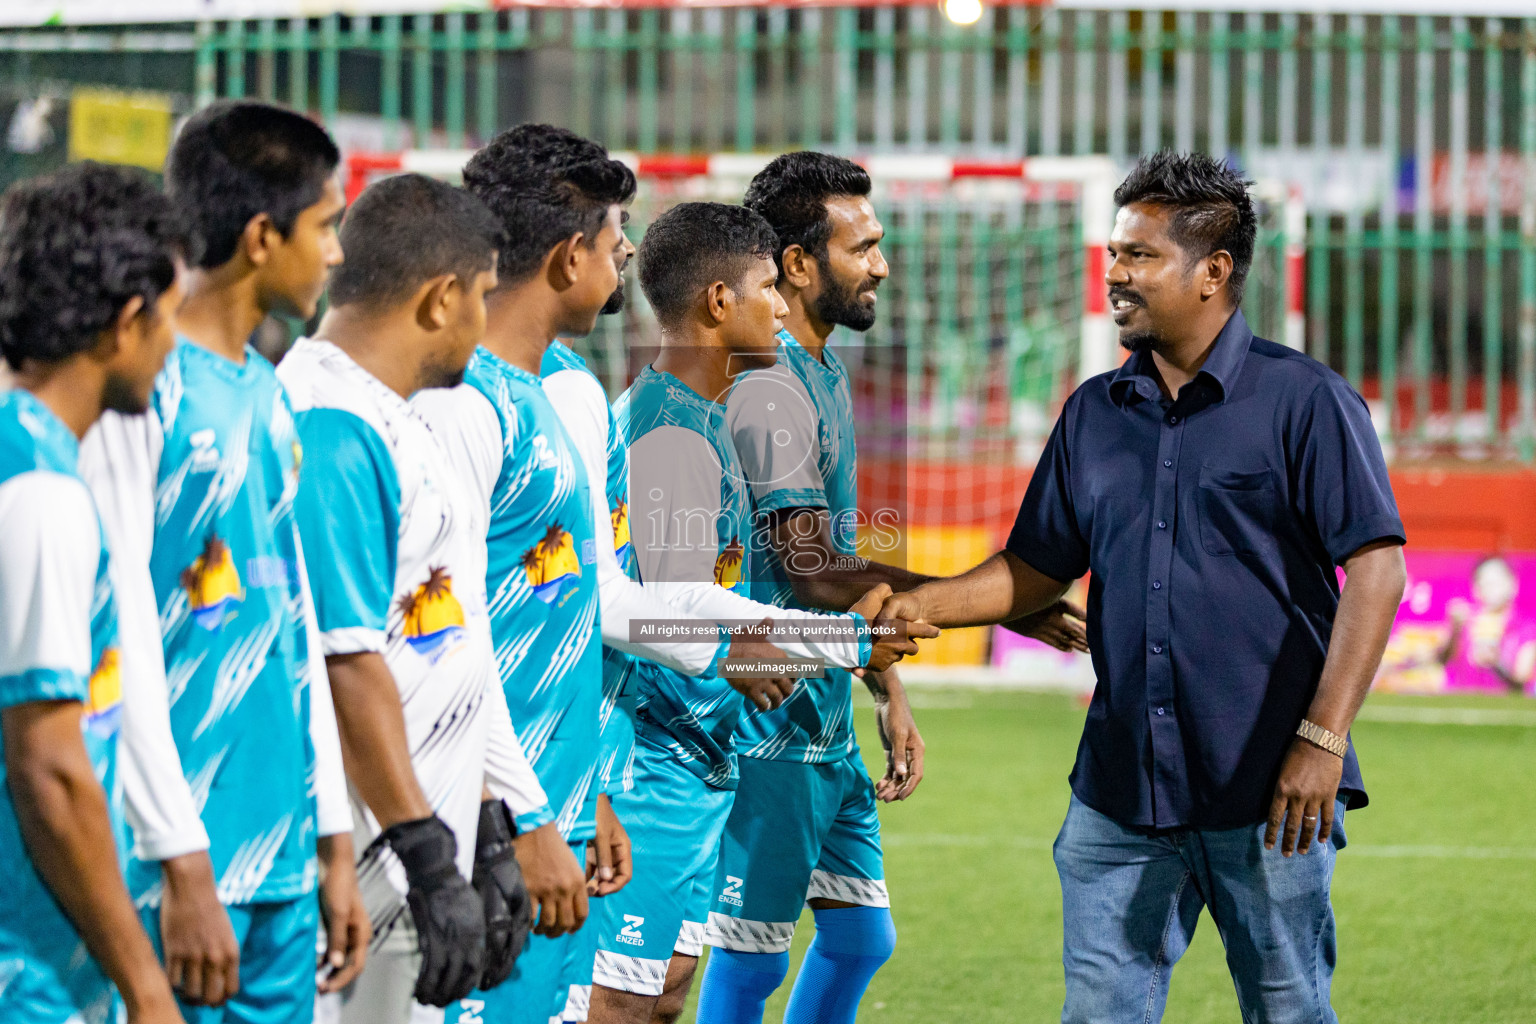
(1131, 898)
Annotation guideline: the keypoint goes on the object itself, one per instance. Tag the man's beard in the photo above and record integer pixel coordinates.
(1137, 339)
(1141, 340)
(615, 301)
(838, 304)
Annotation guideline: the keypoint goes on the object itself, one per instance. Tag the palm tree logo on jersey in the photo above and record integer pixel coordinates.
(551, 564)
(620, 515)
(728, 565)
(104, 700)
(434, 619)
(213, 585)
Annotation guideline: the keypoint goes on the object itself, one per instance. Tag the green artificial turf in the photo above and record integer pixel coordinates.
(1435, 895)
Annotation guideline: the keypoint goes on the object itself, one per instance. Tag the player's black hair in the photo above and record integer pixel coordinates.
(693, 245)
(234, 160)
(75, 247)
(1212, 208)
(791, 193)
(545, 184)
(405, 230)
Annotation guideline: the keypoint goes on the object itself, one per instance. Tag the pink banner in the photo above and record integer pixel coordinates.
(1467, 624)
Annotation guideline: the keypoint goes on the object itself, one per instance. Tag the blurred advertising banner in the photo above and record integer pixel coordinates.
(1467, 624)
(120, 127)
(33, 13)
(21, 13)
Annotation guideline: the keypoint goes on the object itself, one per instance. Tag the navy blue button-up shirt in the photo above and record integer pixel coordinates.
(1212, 525)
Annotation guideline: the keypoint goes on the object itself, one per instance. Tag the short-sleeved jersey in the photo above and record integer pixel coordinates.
(224, 567)
(687, 487)
(391, 571)
(57, 634)
(792, 425)
(505, 438)
(616, 725)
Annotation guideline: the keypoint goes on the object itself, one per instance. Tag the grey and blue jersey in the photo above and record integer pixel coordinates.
(57, 642)
(792, 428)
(687, 488)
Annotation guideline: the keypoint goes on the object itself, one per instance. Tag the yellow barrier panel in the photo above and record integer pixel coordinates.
(131, 128)
(944, 551)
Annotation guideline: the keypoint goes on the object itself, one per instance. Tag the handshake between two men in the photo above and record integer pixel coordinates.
(984, 595)
(1001, 590)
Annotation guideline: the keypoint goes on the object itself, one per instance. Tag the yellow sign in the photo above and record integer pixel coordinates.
(120, 127)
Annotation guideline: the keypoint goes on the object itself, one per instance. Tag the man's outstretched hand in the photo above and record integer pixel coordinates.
(889, 648)
(1063, 626)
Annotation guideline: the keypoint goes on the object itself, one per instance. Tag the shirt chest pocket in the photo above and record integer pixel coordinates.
(1236, 509)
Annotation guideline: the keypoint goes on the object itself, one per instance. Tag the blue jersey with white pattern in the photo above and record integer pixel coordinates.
(45, 971)
(224, 566)
(541, 585)
(616, 724)
(694, 717)
(816, 723)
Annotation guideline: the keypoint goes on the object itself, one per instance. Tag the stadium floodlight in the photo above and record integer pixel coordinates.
(963, 12)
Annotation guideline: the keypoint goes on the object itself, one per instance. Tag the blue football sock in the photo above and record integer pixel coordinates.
(736, 985)
(851, 943)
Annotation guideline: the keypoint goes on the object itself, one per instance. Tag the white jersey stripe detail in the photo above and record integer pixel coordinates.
(725, 932)
(629, 973)
(866, 892)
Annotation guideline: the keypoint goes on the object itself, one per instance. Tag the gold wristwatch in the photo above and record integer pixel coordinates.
(1330, 741)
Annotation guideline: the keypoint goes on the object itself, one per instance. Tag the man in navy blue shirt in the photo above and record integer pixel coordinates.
(1213, 485)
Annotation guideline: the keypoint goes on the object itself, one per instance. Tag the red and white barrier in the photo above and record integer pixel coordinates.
(1092, 178)
(1295, 269)
(899, 167)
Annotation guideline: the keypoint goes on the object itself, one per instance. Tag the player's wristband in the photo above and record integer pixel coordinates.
(865, 638)
(1332, 742)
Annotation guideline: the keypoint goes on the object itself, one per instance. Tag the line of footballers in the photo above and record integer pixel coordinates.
(370, 659)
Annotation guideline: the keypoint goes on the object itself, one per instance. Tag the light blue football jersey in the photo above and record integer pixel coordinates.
(58, 630)
(616, 724)
(541, 589)
(687, 488)
(808, 402)
(224, 567)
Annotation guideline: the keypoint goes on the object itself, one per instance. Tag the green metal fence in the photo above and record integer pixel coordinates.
(1413, 138)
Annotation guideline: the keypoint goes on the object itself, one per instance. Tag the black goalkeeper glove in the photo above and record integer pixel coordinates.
(450, 921)
(499, 881)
